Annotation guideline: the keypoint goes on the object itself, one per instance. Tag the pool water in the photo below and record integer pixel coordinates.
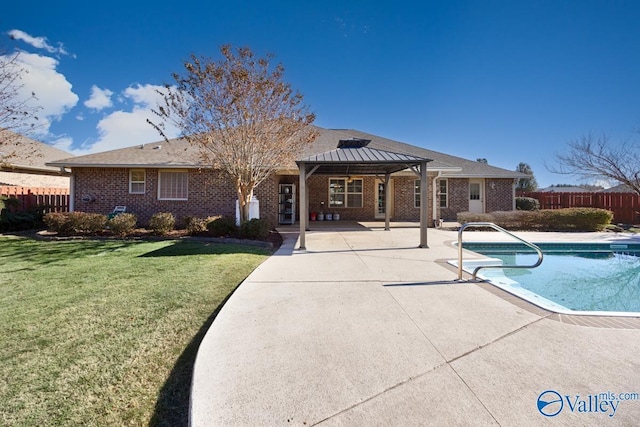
(578, 278)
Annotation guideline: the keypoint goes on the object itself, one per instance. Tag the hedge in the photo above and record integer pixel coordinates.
(75, 222)
(569, 219)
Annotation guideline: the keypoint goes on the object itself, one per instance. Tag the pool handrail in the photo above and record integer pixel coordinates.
(497, 228)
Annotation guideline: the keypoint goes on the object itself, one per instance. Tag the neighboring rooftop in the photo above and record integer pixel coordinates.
(21, 152)
(23, 162)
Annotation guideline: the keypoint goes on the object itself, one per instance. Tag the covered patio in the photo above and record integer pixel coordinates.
(352, 157)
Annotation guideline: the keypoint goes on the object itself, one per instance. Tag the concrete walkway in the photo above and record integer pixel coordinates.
(364, 328)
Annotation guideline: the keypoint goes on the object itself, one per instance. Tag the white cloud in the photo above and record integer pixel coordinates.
(126, 128)
(63, 143)
(99, 99)
(37, 42)
(53, 92)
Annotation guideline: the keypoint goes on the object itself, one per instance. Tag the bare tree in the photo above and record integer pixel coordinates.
(246, 120)
(596, 157)
(18, 114)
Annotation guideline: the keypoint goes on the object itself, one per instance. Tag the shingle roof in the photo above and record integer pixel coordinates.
(175, 153)
(179, 153)
(26, 154)
(452, 166)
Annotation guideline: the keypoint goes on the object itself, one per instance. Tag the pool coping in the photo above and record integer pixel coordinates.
(587, 320)
(580, 318)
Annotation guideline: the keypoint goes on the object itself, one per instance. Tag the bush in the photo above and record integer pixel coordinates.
(162, 222)
(255, 229)
(89, 223)
(122, 224)
(75, 222)
(16, 221)
(577, 219)
(465, 217)
(58, 222)
(527, 204)
(570, 219)
(12, 220)
(195, 225)
(222, 226)
(9, 203)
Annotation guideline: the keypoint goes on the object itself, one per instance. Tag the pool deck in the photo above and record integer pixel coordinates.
(364, 328)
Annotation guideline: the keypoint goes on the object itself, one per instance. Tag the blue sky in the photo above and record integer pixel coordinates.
(509, 81)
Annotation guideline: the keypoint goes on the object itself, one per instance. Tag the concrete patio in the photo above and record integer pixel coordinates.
(364, 328)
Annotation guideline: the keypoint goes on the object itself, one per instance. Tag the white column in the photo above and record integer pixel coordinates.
(387, 202)
(424, 205)
(303, 204)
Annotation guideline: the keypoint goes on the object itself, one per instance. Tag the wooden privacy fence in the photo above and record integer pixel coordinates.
(52, 199)
(625, 206)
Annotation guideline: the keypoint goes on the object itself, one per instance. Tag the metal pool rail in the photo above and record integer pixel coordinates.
(497, 228)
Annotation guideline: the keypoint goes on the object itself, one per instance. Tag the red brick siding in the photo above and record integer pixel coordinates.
(458, 200)
(405, 210)
(499, 194)
(318, 189)
(403, 202)
(210, 193)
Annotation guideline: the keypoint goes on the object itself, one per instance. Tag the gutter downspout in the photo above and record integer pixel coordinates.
(72, 192)
(435, 193)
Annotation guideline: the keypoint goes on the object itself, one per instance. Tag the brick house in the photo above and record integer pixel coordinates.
(168, 177)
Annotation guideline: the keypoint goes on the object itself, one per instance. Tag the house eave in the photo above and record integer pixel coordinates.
(40, 170)
(489, 176)
(128, 165)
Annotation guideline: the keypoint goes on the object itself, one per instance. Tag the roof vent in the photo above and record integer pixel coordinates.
(157, 147)
(353, 143)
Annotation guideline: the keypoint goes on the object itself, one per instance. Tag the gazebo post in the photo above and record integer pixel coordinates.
(387, 202)
(424, 203)
(303, 204)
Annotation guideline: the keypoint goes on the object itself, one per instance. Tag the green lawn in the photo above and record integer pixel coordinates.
(106, 332)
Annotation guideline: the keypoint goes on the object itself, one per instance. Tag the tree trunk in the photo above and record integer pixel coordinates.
(245, 194)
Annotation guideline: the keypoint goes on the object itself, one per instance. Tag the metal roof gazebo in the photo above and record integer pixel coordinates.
(353, 157)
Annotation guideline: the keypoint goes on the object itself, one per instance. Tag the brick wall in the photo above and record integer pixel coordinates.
(499, 194)
(99, 190)
(458, 200)
(403, 202)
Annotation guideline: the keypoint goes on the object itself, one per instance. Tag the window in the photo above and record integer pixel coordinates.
(345, 193)
(137, 179)
(443, 197)
(443, 193)
(173, 185)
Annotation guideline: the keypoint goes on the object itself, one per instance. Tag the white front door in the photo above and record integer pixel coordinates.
(381, 203)
(476, 195)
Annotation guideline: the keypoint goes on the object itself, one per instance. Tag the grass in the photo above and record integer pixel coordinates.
(106, 332)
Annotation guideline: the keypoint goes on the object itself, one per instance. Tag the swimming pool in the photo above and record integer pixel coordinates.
(581, 278)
